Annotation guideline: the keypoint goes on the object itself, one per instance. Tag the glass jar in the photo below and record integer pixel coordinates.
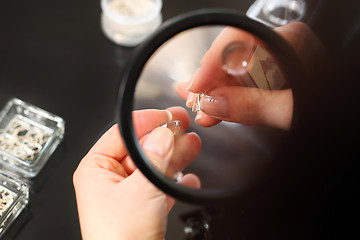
(129, 22)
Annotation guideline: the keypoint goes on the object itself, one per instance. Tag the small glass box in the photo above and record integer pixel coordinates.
(14, 196)
(275, 13)
(28, 137)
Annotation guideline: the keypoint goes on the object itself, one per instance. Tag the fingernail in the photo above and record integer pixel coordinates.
(160, 141)
(215, 106)
(198, 116)
(195, 134)
(190, 100)
(192, 80)
(169, 114)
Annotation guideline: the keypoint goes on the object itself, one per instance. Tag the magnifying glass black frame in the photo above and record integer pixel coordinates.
(287, 60)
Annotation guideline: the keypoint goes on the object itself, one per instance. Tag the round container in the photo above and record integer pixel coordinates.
(129, 22)
(282, 12)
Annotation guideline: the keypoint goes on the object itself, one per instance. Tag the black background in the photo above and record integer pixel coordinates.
(54, 55)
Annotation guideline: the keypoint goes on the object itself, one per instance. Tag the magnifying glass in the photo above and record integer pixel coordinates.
(236, 55)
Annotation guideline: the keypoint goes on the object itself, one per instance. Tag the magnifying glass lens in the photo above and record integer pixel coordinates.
(224, 64)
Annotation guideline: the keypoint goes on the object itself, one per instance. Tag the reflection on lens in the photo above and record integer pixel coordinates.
(252, 66)
(236, 57)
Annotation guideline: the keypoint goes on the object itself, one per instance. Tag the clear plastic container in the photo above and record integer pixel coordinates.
(28, 137)
(129, 22)
(14, 196)
(274, 13)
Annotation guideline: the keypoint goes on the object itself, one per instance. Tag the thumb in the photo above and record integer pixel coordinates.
(158, 147)
(250, 106)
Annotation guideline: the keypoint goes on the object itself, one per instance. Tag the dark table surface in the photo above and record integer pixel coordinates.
(54, 55)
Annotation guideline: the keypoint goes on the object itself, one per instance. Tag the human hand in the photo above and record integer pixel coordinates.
(114, 199)
(226, 100)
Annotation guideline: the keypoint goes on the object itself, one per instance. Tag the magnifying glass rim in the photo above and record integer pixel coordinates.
(287, 59)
